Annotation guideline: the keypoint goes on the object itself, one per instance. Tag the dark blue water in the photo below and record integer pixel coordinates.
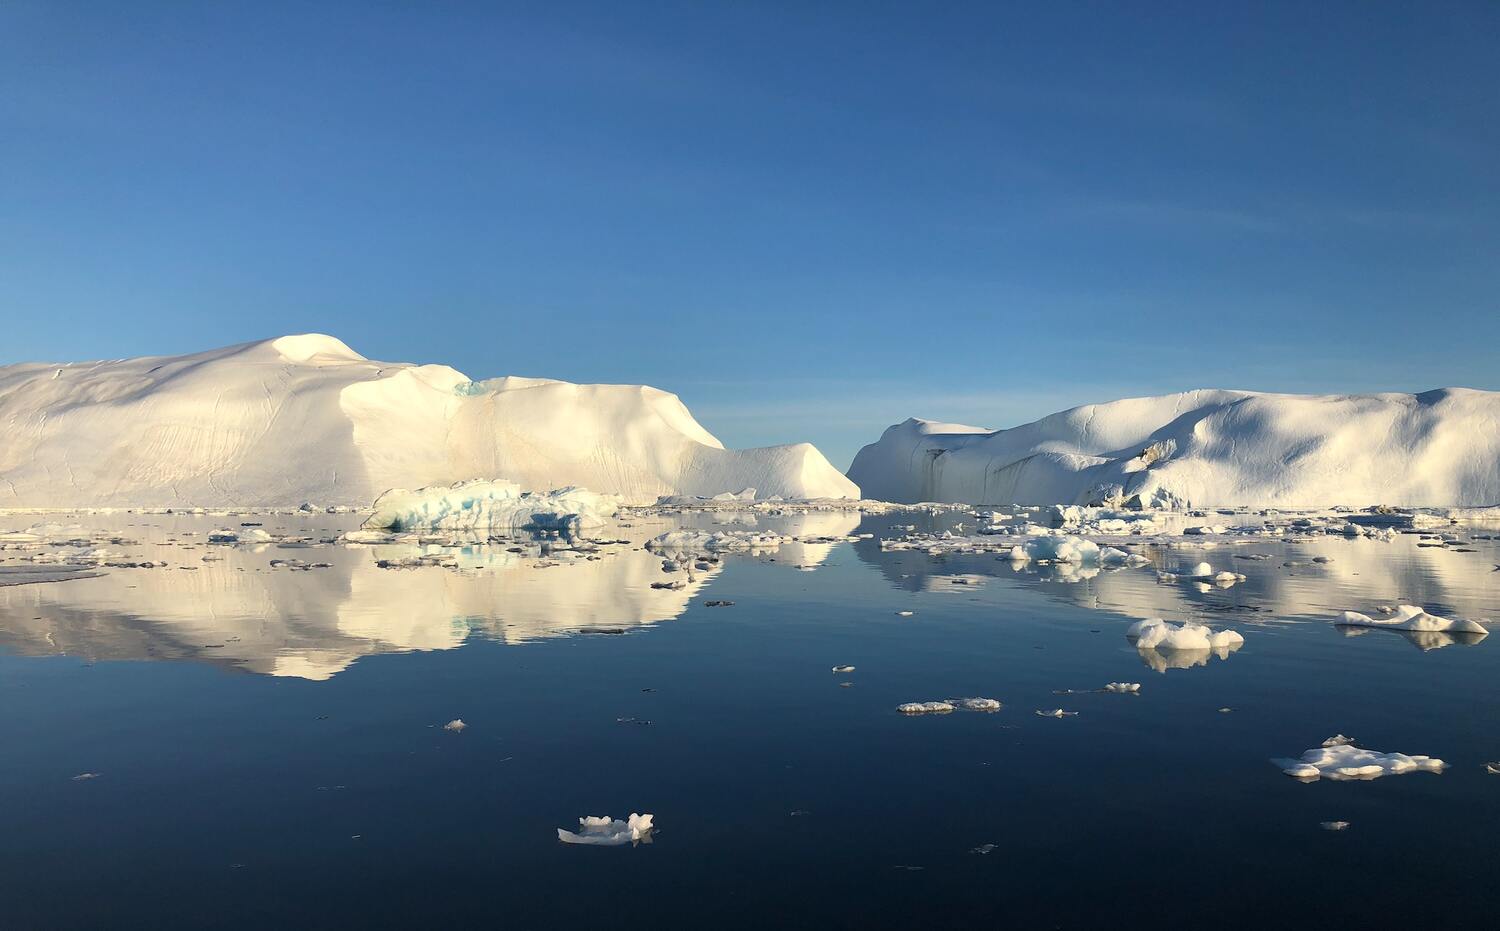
(229, 797)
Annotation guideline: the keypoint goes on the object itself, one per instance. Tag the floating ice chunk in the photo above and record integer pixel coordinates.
(1201, 571)
(1131, 688)
(1157, 634)
(976, 704)
(487, 505)
(608, 832)
(1334, 825)
(1341, 761)
(84, 777)
(925, 707)
(1063, 549)
(1413, 618)
(843, 669)
(1056, 713)
(699, 541)
(1207, 530)
(1111, 556)
(905, 613)
(456, 725)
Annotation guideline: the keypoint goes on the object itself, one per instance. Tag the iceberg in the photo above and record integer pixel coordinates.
(1157, 634)
(609, 832)
(1207, 447)
(1341, 759)
(280, 422)
(1413, 619)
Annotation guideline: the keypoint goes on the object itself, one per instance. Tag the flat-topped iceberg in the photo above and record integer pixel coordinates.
(490, 505)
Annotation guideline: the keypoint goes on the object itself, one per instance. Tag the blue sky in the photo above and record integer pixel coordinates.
(810, 220)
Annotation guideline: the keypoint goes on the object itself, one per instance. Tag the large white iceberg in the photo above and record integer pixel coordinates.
(305, 418)
(1208, 447)
(491, 505)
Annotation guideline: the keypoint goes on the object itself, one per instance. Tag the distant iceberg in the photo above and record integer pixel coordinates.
(1208, 447)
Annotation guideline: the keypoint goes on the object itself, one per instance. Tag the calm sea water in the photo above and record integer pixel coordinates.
(269, 748)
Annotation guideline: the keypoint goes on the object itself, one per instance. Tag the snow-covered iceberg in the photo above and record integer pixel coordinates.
(491, 505)
(1209, 447)
(305, 418)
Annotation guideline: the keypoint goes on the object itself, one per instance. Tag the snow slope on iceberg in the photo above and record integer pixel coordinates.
(305, 418)
(1207, 447)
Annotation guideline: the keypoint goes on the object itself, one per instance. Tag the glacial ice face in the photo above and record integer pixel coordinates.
(1207, 447)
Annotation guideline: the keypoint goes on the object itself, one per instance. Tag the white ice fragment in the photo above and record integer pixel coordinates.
(1334, 825)
(925, 707)
(1413, 618)
(1130, 687)
(608, 832)
(488, 505)
(1155, 633)
(905, 613)
(976, 704)
(1340, 761)
(843, 669)
(1056, 713)
(456, 725)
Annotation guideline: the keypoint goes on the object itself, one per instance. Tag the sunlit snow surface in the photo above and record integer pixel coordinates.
(256, 697)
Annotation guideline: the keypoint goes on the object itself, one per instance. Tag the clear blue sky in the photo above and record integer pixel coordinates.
(810, 220)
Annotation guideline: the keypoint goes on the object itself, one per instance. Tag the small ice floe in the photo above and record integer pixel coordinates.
(1492, 768)
(1333, 825)
(843, 669)
(84, 777)
(1340, 759)
(609, 832)
(905, 613)
(1158, 634)
(1056, 713)
(1226, 711)
(456, 725)
(1125, 688)
(983, 848)
(675, 586)
(1061, 549)
(976, 704)
(925, 707)
(1414, 619)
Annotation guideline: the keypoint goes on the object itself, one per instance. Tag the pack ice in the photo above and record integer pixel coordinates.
(1208, 447)
(305, 418)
